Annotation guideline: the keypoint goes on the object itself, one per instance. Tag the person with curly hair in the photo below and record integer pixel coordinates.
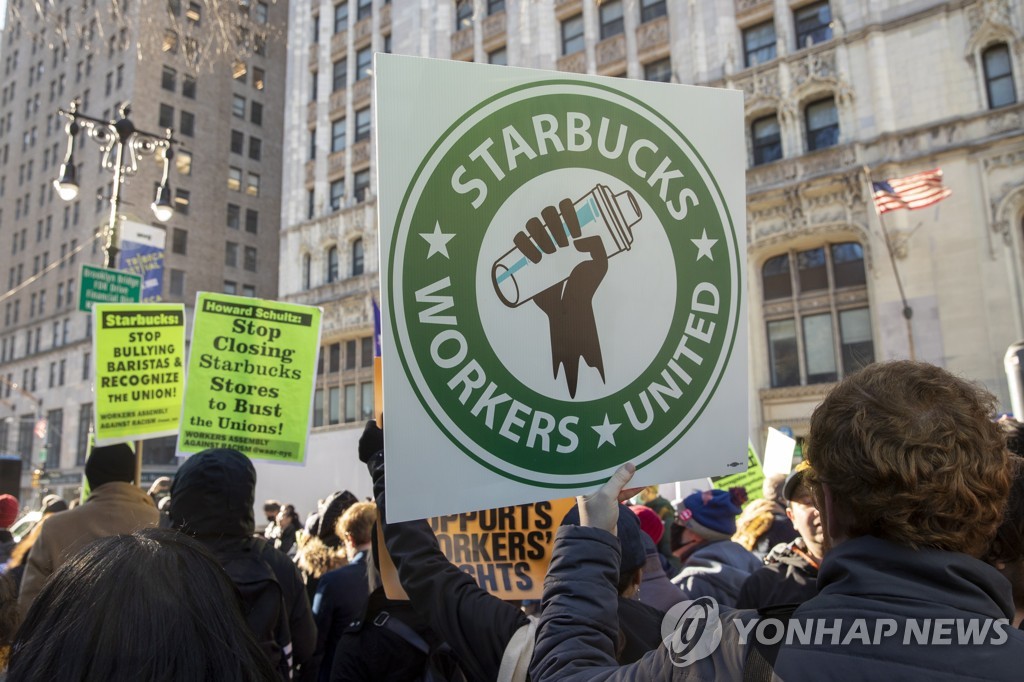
(910, 476)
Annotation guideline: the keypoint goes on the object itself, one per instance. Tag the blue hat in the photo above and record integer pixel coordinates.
(712, 513)
(628, 531)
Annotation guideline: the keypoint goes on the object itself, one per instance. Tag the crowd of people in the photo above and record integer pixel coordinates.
(907, 513)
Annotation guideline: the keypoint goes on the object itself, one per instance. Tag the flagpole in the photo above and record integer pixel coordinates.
(908, 312)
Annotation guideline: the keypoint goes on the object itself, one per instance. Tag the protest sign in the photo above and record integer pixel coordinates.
(142, 253)
(507, 550)
(139, 356)
(778, 453)
(251, 370)
(752, 479)
(562, 262)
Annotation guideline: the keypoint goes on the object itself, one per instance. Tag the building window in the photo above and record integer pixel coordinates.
(312, 86)
(759, 44)
(340, 17)
(235, 179)
(611, 18)
(234, 216)
(250, 259)
(366, 348)
(998, 76)
(499, 57)
(659, 71)
(338, 135)
(230, 287)
(261, 12)
(334, 405)
(337, 194)
(364, 9)
(307, 265)
(463, 14)
(84, 428)
(252, 220)
(252, 184)
(350, 402)
(169, 79)
(822, 121)
(361, 184)
(318, 407)
(495, 6)
(54, 431)
(188, 86)
(813, 24)
(332, 264)
(231, 254)
(256, 115)
(255, 148)
(357, 257)
(363, 122)
(237, 142)
(183, 162)
(366, 400)
(364, 63)
(350, 354)
(177, 282)
(572, 34)
(188, 123)
(166, 117)
(238, 106)
(802, 284)
(249, 290)
(310, 204)
(179, 241)
(766, 139)
(652, 9)
(340, 75)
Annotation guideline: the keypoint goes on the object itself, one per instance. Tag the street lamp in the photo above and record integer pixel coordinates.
(121, 144)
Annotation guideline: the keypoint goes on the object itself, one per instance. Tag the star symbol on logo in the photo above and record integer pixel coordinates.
(606, 431)
(438, 241)
(704, 245)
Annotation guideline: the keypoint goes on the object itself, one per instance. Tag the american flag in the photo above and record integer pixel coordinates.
(914, 191)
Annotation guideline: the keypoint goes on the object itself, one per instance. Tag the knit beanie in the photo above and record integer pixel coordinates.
(650, 522)
(711, 514)
(8, 510)
(109, 464)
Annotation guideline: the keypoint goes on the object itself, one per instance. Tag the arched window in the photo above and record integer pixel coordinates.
(814, 335)
(766, 139)
(332, 264)
(822, 121)
(357, 257)
(998, 69)
(306, 268)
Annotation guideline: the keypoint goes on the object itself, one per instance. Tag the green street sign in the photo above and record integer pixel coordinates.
(100, 285)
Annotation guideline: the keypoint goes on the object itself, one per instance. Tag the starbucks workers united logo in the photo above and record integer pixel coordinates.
(564, 283)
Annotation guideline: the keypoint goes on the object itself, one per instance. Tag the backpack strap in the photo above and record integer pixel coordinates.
(759, 665)
(515, 662)
(384, 620)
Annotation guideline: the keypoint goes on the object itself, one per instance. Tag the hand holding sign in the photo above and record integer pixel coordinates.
(601, 509)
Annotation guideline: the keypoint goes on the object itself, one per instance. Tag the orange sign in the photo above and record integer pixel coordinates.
(507, 550)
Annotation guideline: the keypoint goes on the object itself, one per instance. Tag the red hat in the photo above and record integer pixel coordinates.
(8, 510)
(650, 522)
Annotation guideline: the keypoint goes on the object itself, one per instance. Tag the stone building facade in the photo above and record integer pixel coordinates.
(839, 93)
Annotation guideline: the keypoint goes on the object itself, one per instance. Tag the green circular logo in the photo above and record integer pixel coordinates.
(564, 283)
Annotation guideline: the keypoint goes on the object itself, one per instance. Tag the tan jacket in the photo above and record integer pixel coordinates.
(112, 509)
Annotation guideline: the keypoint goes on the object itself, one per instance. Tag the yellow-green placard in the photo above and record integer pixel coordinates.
(139, 351)
(751, 479)
(251, 370)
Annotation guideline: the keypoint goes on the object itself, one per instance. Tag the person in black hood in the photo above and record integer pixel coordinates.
(212, 500)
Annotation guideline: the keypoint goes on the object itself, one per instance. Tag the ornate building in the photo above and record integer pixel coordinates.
(839, 93)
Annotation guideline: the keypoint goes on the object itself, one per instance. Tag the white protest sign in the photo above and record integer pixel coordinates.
(562, 263)
(778, 453)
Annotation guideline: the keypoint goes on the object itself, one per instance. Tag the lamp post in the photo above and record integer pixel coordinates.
(121, 144)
